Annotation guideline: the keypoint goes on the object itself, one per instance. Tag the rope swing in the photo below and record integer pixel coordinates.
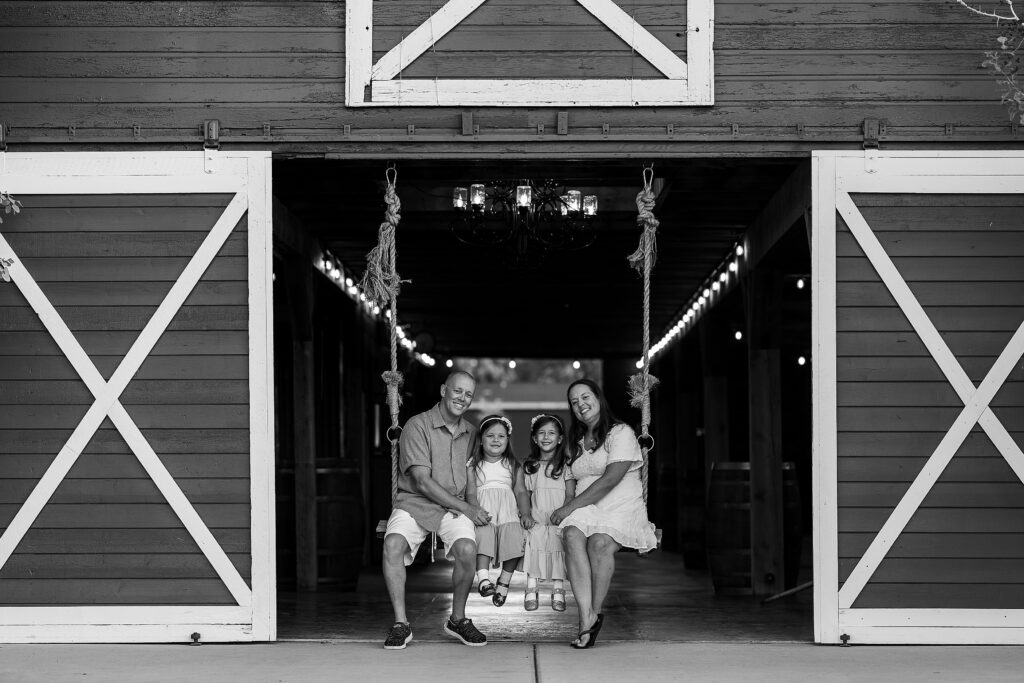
(643, 383)
(381, 284)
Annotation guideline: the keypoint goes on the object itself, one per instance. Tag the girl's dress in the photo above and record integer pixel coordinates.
(621, 513)
(545, 555)
(503, 538)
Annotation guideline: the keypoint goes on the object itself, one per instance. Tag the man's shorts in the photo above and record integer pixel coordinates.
(451, 529)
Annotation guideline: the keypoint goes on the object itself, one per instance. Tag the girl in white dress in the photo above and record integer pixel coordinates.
(549, 484)
(494, 479)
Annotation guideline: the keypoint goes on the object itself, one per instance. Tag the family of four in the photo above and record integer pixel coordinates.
(563, 513)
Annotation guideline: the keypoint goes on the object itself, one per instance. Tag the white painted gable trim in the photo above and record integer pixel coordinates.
(837, 174)
(247, 175)
(684, 83)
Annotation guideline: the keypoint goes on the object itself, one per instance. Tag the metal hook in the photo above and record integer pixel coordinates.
(391, 175)
(648, 176)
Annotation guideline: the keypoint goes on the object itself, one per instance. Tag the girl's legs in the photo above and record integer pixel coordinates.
(501, 590)
(483, 577)
(530, 599)
(577, 565)
(601, 549)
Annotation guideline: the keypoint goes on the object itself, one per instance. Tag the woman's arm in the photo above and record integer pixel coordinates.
(570, 490)
(523, 501)
(426, 485)
(613, 474)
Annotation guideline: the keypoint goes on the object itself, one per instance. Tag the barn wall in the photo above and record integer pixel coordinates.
(963, 258)
(104, 67)
(108, 536)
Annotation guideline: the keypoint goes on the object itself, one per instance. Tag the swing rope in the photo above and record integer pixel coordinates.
(381, 285)
(643, 383)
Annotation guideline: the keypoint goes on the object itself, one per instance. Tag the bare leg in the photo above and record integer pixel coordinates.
(601, 548)
(464, 555)
(482, 562)
(395, 549)
(577, 565)
(509, 566)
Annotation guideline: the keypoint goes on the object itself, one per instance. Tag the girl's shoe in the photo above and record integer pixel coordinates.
(485, 588)
(499, 598)
(532, 603)
(558, 599)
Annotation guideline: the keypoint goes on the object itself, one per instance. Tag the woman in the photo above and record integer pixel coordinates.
(608, 511)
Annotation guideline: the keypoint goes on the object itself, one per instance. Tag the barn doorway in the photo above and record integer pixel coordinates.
(526, 301)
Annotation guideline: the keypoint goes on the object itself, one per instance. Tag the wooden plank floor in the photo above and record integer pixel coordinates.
(653, 598)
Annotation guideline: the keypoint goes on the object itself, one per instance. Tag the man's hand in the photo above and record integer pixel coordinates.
(477, 514)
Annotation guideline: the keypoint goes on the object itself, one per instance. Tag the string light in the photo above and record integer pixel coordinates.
(800, 283)
(715, 286)
(801, 361)
(575, 365)
(738, 335)
(512, 365)
(449, 363)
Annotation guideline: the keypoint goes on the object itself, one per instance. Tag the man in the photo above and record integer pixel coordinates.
(434, 448)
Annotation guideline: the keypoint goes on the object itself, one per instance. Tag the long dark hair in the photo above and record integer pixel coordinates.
(557, 463)
(508, 459)
(578, 429)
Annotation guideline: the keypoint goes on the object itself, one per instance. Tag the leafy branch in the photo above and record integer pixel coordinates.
(1005, 62)
(9, 204)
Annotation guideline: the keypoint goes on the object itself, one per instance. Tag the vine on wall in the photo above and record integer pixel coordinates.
(1005, 62)
(10, 205)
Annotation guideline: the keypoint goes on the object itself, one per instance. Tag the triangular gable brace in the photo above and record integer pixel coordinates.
(684, 83)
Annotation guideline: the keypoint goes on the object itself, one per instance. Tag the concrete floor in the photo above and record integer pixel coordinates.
(622, 662)
(653, 598)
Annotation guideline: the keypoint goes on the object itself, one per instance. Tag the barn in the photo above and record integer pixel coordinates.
(191, 413)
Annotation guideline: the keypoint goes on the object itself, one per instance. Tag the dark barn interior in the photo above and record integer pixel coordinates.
(521, 299)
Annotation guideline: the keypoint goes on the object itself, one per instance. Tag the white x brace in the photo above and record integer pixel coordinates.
(107, 401)
(976, 402)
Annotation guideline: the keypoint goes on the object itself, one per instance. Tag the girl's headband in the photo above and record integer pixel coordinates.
(533, 420)
(497, 418)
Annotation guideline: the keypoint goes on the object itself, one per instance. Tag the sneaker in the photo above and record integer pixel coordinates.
(465, 631)
(398, 637)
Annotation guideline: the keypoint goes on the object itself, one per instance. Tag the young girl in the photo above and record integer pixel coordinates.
(549, 486)
(494, 478)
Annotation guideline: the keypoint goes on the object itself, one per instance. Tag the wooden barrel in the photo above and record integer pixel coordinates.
(340, 524)
(728, 527)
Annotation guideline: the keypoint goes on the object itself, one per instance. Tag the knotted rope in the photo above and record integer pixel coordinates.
(381, 284)
(643, 383)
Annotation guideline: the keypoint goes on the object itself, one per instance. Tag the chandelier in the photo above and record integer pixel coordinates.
(522, 211)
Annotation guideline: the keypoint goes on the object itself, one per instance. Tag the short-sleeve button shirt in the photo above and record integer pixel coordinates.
(426, 441)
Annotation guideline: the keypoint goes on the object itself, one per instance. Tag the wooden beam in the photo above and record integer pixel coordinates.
(299, 279)
(787, 206)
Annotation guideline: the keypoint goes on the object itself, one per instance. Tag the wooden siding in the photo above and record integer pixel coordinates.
(107, 536)
(104, 67)
(963, 258)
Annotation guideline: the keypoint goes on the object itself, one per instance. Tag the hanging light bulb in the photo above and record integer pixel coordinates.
(801, 361)
(449, 363)
(460, 198)
(733, 266)
(326, 264)
(724, 277)
(574, 201)
(739, 250)
(376, 310)
(512, 365)
(336, 274)
(715, 286)
(524, 196)
(349, 282)
(639, 363)
(575, 365)
(738, 335)
(707, 292)
(477, 195)
(800, 283)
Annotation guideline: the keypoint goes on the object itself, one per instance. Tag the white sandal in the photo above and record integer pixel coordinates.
(531, 604)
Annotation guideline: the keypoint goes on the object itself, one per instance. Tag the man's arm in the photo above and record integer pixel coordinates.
(426, 485)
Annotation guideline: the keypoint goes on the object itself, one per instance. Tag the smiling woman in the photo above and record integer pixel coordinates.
(608, 511)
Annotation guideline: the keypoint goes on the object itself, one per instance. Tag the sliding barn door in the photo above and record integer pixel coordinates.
(919, 397)
(136, 432)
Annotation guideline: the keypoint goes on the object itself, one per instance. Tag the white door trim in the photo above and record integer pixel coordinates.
(837, 175)
(247, 176)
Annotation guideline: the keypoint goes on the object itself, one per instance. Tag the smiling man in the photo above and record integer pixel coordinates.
(433, 451)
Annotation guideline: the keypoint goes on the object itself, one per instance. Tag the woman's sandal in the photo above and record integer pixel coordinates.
(498, 599)
(531, 603)
(591, 634)
(485, 587)
(558, 599)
